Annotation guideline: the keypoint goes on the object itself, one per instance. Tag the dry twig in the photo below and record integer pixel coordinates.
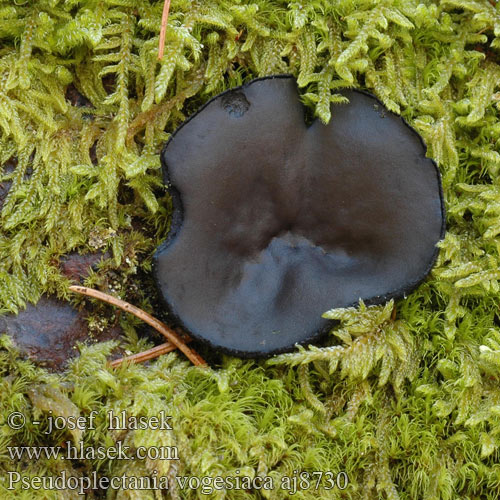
(163, 30)
(167, 332)
(143, 356)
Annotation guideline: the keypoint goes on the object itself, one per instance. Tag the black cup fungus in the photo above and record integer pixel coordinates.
(276, 222)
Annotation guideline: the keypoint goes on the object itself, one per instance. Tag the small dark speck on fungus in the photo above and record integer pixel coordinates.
(276, 222)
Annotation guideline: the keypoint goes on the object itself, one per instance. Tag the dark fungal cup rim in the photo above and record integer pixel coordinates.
(177, 220)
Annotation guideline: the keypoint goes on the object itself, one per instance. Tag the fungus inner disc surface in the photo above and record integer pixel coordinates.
(276, 222)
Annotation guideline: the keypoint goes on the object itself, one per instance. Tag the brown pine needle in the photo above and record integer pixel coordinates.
(143, 356)
(167, 332)
(163, 30)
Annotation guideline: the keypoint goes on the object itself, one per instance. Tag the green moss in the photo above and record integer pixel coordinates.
(409, 406)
